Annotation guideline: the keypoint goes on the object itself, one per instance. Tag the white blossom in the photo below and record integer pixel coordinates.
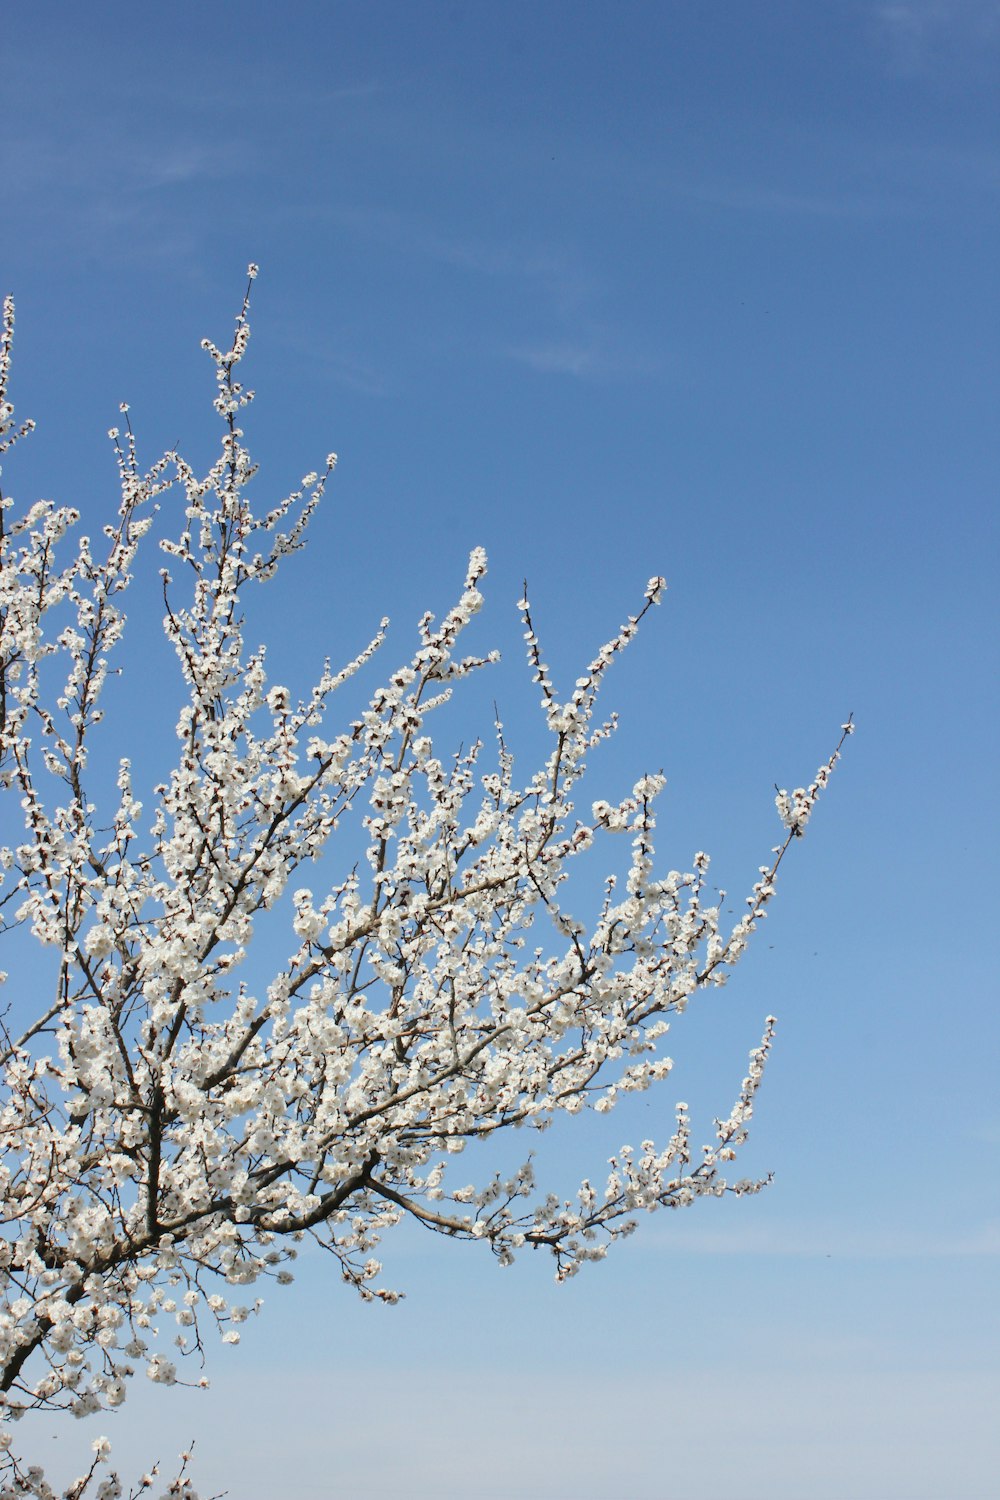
(177, 1116)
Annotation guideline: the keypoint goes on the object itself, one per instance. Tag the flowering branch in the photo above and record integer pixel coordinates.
(170, 1130)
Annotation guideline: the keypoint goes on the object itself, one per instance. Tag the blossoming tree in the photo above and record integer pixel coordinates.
(170, 1129)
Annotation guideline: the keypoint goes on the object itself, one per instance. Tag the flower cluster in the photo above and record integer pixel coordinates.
(795, 808)
(174, 1123)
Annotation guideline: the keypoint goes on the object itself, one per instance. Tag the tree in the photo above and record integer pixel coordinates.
(170, 1130)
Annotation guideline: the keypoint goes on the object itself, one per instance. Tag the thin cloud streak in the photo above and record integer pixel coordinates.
(820, 205)
(580, 360)
(915, 35)
(816, 1242)
(536, 1430)
(488, 257)
(556, 358)
(343, 369)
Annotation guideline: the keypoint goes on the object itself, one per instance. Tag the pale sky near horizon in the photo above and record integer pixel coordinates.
(611, 289)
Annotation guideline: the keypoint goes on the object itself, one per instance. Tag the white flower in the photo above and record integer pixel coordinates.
(161, 1371)
(99, 942)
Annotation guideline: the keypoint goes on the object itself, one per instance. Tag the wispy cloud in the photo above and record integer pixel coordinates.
(109, 164)
(915, 34)
(121, 200)
(557, 357)
(584, 359)
(343, 369)
(504, 257)
(818, 1241)
(453, 1420)
(559, 290)
(828, 204)
(157, 167)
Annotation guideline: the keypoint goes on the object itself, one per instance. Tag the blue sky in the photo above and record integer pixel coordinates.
(610, 289)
